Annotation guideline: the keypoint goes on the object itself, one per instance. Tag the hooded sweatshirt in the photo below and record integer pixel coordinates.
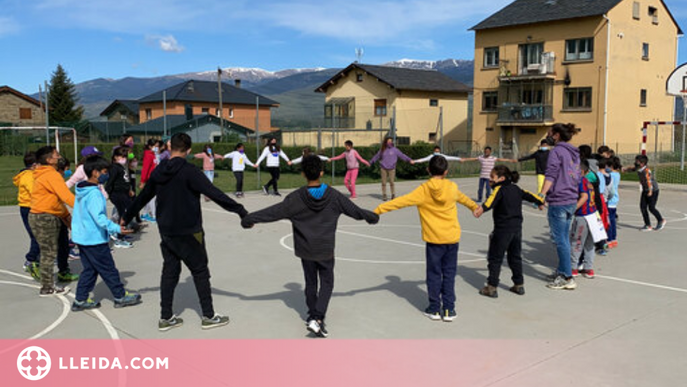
(436, 202)
(389, 157)
(24, 182)
(178, 185)
(506, 200)
(314, 213)
(563, 170)
(50, 193)
(90, 224)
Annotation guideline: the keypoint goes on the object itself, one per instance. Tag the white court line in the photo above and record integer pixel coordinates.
(9, 214)
(642, 283)
(63, 316)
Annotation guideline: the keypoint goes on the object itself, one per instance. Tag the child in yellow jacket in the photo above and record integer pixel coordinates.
(24, 183)
(436, 202)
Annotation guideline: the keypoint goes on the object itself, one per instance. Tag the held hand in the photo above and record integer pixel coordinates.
(412, 162)
(478, 212)
(131, 194)
(122, 223)
(541, 207)
(650, 194)
(140, 186)
(125, 231)
(289, 163)
(329, 161)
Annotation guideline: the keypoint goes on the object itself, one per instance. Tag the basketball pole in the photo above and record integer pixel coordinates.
(684, 129)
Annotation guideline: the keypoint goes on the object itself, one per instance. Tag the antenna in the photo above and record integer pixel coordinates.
(359, 52)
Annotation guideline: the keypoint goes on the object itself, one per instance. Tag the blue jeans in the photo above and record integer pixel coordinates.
(97, 260)
(34, 251)
(442, 265)
(210, 175)
(612, 224)
(482, 183)
(560, 221)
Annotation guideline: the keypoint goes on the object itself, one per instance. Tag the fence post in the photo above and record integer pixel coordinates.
(441, 127)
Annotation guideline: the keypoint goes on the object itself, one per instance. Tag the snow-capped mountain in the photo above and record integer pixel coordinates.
(430, 64)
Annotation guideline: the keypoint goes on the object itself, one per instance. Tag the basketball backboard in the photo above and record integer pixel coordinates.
(677, 82)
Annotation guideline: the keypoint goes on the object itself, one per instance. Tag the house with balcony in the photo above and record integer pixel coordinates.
(366, 97)
(600, 64)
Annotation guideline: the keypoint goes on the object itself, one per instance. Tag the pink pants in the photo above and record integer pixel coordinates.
(349, 181)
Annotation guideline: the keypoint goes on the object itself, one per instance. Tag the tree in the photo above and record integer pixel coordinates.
(62, 99)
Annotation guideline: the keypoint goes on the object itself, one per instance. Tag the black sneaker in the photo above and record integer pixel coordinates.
(518, 289)
(432, 315)
(276, 193)
(661, 225)
(54, 291)
(323, 330)
(129, 299)
(216, 321)
(78, 306)
(448, 315)
(265, 191)
(173, 322)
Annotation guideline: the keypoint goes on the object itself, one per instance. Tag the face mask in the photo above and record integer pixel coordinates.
(156, 149)
(550, 140)
(68, 173)
(544, 148)
(209, 151)
(390, 145)
(241, 151)
(608, 170)
(129, 143)
(121, 161)
(103, 178)
(437, 153)
(134, 165)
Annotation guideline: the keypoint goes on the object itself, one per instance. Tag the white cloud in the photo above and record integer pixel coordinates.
(8, 26)
(166, 43)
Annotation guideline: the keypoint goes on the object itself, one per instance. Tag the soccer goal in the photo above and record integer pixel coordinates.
(17, 138)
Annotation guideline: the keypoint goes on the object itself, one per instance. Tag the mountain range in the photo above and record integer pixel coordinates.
(300, 106)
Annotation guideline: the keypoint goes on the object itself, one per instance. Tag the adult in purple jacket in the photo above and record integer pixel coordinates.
(561, 191)
(388, 157)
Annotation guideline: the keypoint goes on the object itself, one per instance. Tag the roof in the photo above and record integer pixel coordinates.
(129, 104)
(522, 12)
(403, 79)
(179, 123)
(206, 91)
(7, 89)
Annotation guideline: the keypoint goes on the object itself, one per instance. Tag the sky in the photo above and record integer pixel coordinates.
(147, 38)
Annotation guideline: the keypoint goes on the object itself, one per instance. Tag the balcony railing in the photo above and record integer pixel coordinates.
(525, 113)
(339, 122)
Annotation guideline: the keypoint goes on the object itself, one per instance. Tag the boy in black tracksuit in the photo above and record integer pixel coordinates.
(506, 201)
(118, 185)
(314, 211)
(178, 185)
(541, 158)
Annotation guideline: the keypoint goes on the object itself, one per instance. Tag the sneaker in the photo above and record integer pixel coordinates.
(34, 271)
(313, 326)
(646, 228)
(661, 225)
(265, 191)
(173, 322)
(393, 197)
(129, 299)
(120, 244)
(612, 244)
(489, 291)
(216, 321)
(323, 330)
(276, 193)
(54, 291)
(448, 315)
(354, 197)
(561, 283)
(67, 276)
(575, 273)
(518, 289)
(78, 306)
(552, 276)
(588, 273)
(148, 218)
(435, 316)
(74, 254)
(384, 198)
(602, 252)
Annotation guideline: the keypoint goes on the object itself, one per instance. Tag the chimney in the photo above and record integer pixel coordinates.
(190, 86)
(237, 83)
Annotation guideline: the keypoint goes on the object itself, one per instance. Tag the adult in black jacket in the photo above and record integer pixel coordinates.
(314, 211)
(541, 158)
(118, 185)
(506, 201)
(178, 185)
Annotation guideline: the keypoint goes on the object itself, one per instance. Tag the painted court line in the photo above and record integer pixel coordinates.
(63, 315)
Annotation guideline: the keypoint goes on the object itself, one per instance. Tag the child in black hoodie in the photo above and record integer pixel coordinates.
(178, 185)
(506, 201)
(314, 211)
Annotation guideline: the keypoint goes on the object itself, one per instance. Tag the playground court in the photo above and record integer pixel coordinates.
(626, 327)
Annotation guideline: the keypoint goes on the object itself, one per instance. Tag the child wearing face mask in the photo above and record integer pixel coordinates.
(272, 153)
(208, 158)
(150, 161)
(541, 157)
(239, 160)
(613, 200)
(506, 201)
(353, 160)
(487, 161)
(118, 188)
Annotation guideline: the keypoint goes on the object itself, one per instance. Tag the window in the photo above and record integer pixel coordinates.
(645, 51)
(579, 49)
(653, 14)
(359, 77)
(122, 116)
(642, 98)
(432, 137)
(491, 57)
(24, 113)
(380, 107)
(530, 57)
(577, 98)
(635, 10)
(403, 140)
(433, 102)
(149, 114)
(231, 112)
(217, 113)
(205, 110)
(490, 101)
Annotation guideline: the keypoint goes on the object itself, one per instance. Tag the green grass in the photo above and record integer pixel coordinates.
(668, 174)
(9, 166)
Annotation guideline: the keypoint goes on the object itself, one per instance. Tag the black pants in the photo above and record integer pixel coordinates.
(648, 203)
(239, 180)
(318, 301)
(34, 253)
(274, 172)
(121, 201)
(189, 249)
(500, 243)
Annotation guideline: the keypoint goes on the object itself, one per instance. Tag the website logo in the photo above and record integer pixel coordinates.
(33, 363)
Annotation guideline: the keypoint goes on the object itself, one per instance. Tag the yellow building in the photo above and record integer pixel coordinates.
(602, 65)
(366, 97)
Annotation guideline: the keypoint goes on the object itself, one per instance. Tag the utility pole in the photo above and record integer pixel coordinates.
(219, 90)
(47, 116)
(441, 126)
(164, 113)
(257, 134)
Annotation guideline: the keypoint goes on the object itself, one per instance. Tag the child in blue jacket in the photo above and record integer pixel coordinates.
(90, 231)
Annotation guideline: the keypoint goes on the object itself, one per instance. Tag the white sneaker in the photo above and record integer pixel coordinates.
(123, 244)
(560, 283)
(314, 327)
